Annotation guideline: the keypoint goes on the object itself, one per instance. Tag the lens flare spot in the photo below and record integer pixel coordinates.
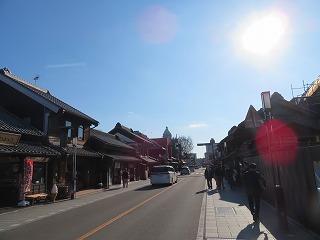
(276, 142)
(157, 25)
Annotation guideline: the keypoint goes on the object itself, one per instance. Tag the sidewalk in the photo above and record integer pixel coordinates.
(225, 215)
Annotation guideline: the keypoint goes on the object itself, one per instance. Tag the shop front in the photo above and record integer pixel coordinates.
(22, 175)
(9, 180)
(120, 163)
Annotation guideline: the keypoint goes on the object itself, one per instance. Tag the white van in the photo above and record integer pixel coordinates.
(163, 174)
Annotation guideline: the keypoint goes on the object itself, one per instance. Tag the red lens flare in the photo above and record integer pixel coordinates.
(276, 142)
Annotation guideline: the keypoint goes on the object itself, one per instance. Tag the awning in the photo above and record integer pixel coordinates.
(148, 160)
(122, 158)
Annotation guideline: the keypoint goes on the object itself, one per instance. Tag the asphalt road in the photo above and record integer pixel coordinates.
(164, 212)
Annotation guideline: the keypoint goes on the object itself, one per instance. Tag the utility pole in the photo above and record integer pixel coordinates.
(74, 163)
(36, 78)
(278, 189)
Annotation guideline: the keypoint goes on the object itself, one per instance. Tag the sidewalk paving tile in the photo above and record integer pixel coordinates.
(228, 217)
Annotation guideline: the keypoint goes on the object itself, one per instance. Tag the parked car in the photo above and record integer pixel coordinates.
(163, 174)
(185, 170)
(191, 167)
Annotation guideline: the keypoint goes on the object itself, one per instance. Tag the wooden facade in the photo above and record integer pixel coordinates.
(288, 160)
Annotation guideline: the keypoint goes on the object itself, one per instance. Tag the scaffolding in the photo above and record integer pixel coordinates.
(309, 90)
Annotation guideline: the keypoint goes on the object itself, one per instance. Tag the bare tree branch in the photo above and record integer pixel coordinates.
(186, 144)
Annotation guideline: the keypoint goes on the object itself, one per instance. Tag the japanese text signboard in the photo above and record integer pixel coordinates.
(9, 139)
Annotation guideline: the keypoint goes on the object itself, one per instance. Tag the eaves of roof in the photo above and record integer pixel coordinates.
(43, 96)
(29, 149)
(13, 124)
(148, 160)
(128, 133)
(162, 141)
(155, 145)
(240, 132)
(122, 158)
(108, 139)
(83, 152)
(296, 108)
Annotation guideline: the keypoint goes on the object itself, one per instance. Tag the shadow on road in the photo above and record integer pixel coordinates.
(150, 187)
(111, 189)
(212, 191)
(203, 191)
(252, 231)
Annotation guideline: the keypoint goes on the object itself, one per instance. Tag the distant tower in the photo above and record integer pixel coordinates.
(167, 133)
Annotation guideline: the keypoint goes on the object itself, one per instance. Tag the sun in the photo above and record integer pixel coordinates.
(264, 34)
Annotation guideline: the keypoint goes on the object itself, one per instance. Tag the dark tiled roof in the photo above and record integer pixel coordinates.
(46, 95)
(155, 145)
(128, 132)
(30, 149)
(108, 139)
(83, 152)
(13, 124)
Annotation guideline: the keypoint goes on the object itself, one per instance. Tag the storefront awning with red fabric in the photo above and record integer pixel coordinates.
(122, 158)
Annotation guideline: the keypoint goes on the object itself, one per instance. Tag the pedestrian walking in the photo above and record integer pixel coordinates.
(125, 178)
(208, 175)
(231, 176)
(245, 167)
(223, 175)
(218, 175)
(254, 184)
(239, 176)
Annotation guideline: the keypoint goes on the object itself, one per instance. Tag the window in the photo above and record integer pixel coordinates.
(39, 170)
(68, 124)
(8, 173)
(80, 132)
(316, 166)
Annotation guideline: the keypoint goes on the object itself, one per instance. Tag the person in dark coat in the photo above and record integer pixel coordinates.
(230, 176)
(254, 184)
(218, 174)
(125, 178)
(208, 176)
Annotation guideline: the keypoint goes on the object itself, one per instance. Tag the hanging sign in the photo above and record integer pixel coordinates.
(28, 172)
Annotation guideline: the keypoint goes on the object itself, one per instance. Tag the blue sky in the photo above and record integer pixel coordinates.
(194, 66)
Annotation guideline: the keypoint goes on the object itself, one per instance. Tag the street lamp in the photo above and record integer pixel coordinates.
(211, 144)
(74, 168)
(278, 189)
(213, 149)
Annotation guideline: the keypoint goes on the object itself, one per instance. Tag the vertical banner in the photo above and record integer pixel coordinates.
(28, 172)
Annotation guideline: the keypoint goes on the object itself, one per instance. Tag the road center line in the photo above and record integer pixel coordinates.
(121, 215)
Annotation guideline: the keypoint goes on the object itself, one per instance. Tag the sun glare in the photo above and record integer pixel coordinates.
(264, 34)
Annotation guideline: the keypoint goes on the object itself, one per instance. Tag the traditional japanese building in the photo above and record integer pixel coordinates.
(65, 127)
(116, 156)
(141, 146)
(22, 145)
